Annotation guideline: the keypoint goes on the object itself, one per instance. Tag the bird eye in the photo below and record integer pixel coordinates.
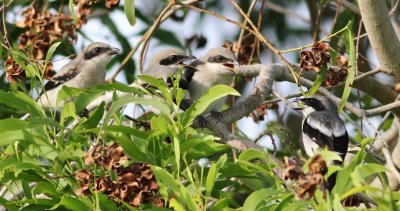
(220, 58)
(173, 57)
(97, 50)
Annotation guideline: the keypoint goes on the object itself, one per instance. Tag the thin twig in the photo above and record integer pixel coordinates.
(241, 35)
(150, 32)
(390, 164)
(339, 4)
(268, 44)
(7, 5)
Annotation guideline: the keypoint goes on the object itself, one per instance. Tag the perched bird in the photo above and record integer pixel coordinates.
(165, 65)
(86, 70)
(323, 128)
(216, 67)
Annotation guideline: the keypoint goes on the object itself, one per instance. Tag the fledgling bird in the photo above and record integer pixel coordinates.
(322, 127)
(216, 67)
(86, 70)
(165, 65)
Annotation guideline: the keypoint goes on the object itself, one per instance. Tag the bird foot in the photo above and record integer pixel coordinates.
(144, 124)
(202, 121)
(217, 115)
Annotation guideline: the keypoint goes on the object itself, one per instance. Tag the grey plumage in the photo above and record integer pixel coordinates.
(165, 65)
(86, 70)
(216, 67)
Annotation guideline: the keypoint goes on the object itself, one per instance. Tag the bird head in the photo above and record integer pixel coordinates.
(315, 103)
(224, 58)
(99, 52)
(170, 57)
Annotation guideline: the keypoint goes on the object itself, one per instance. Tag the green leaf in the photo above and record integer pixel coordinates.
(96, 117)
(68, 110)
(213, 94)
(318, 82)
(213, 174)
(70, 203)
(134, 150)
(139, 100)
(352, 65)
(343, 182)
(182, 194)
(221, 204)
(160, 85)
(50, 53)
(21, 102)
(255, 198)
(129, 9)
(12, 124)
(72, 10)
(361, 172)
(67, 92)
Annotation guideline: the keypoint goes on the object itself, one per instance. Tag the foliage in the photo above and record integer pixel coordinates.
(44, 161)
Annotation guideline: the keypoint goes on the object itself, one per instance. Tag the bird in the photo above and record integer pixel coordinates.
(323, 128)
(216, 67)
(86, 70)
(165, 65)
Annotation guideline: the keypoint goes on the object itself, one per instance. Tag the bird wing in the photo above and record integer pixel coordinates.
(66, 73)
(327, 130)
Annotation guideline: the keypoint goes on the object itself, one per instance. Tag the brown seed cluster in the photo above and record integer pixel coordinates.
(84, 8)
(135, 183)
(314, 59)
(318, 56)
(44, 28)
(336, 76)
(306, 183)
(261, 111)
(14, 72)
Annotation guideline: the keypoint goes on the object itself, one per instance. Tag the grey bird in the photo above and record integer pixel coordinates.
(216, 67)
(323, 128)
(166, 63)
(86, 70)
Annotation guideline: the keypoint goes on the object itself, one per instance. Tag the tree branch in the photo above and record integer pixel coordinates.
(381, 34)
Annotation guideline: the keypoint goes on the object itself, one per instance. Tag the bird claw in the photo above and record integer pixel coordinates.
(144, 124)
(217, 115)
(84, 113)
(202, 121)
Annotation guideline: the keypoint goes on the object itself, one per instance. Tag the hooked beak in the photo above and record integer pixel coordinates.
(188, 58)
(113, 51)
(231, 65)
(296, 101)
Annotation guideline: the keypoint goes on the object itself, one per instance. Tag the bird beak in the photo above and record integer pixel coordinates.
(231, 65)
(297, 100)
(188, 58)
(113, 51)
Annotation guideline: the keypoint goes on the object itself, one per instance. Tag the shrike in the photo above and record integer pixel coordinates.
(322, 127)
(86, 70)
(216, 67)
(165, 65)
